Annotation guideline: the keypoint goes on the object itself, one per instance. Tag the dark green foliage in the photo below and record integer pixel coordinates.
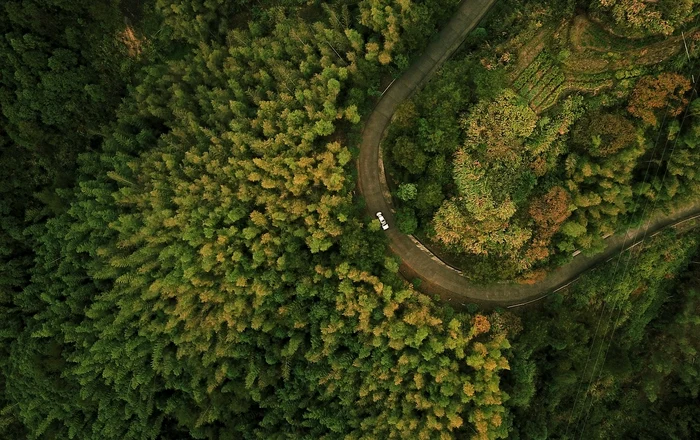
(603, 134)
(408, 155)
(208, 275)
(424, 136)
(476, 36)
(645, 368)
(406, 220)
(63, 69)
(182, 257)
(430, 197)
(15, 263)
(488, 83)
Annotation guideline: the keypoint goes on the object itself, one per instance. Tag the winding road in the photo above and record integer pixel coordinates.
(417, 261)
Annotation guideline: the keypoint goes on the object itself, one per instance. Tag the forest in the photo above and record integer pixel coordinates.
(184, 254)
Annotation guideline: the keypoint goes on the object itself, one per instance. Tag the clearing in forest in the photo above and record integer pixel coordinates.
(580, 55)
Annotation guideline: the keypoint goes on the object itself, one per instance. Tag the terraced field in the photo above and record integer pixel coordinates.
(541, 83)
(581, 56)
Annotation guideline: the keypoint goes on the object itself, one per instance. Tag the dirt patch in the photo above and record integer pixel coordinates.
(590, 61)
(660, 51)
(578, 29)
(593, 35)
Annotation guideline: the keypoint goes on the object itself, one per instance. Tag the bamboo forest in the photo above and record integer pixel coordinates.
(349, 219)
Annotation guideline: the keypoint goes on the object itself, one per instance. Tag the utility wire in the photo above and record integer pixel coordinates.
(617, 262)
(616, 267)
(646, 230)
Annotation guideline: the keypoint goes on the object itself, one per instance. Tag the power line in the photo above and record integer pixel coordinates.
(617, 262)
(616, 267)
(612, 310)
(619, 314)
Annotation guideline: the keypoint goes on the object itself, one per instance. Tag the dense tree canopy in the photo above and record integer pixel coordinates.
(210, 277)
(495, 174)
(182, 255)
(403, 26)
(62, 74)
(613, 356)
(666, 93)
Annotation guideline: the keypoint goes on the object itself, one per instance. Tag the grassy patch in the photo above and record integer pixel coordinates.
(580, 56)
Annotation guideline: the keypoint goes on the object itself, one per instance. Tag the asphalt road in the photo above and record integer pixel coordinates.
(417, 261)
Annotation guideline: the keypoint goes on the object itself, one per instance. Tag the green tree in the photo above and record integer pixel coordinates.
(407, 192)
(406, 220)
(202, 280)
(603, 134)
(499, 126)
(636, 371)
(404, 26)
(665, 93)
(407, 155)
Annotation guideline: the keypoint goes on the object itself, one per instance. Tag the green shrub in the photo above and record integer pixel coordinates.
(406, 220)
(407, 192)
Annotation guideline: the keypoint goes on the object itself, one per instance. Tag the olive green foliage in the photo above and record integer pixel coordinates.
(603, 134)
(621, 341)
(407, 192)
(193, 21)
(402, 26)
(638, 17)
(409, 155)
(500, 126)
(495, 173)
(208, 275)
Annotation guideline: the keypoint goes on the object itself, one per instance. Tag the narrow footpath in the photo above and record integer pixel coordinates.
(418, 262)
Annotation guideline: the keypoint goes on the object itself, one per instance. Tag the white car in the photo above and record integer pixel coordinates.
(382, 220)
